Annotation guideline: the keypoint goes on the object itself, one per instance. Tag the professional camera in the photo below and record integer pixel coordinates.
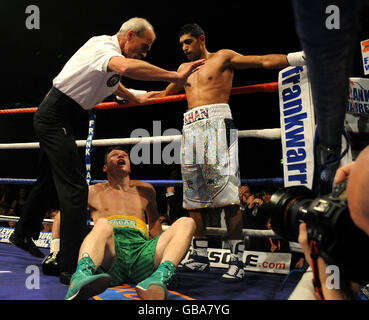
(339, 241)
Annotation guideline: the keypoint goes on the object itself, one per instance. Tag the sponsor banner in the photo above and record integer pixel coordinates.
(270, 262)
(365, 55)
(358, 99)
(43, 241)
(297, 126)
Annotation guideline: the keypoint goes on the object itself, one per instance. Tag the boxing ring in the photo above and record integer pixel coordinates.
(15, 264)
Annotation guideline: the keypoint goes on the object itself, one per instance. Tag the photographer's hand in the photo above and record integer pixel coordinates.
(303, 241)
(343, 172)
(329, 294)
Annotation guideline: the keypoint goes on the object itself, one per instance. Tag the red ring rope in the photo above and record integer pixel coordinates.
(262, 87)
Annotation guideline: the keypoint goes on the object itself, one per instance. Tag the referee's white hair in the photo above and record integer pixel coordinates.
(139, 25)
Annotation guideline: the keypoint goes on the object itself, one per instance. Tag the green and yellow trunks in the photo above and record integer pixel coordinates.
(134, 250)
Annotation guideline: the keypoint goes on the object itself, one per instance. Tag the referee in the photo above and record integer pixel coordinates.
(92, 74)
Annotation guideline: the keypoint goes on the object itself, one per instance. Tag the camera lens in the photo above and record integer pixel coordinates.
(288, 210)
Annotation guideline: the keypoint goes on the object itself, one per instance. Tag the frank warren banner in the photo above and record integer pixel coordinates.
(358, 99)
(357, 112)
(297, 126)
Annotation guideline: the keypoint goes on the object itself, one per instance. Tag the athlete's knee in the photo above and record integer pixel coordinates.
(187, 224)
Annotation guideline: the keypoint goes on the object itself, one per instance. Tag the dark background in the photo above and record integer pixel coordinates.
(32, 58)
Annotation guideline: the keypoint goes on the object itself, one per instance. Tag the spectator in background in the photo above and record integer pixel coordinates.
(252, 202)
(2, 194)
(3, 212)
(18, 203)
(5, 196)
(266, 195)
(6, 204)
(253, 217)
(245, 193)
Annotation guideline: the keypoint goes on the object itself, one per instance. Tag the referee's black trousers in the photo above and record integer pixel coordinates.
(61, 177)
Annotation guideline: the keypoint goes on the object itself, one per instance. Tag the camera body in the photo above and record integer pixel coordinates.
(340, 242)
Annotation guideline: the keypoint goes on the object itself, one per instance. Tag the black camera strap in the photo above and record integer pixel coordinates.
(316, 280)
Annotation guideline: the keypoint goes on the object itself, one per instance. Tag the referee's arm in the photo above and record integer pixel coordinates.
(142, 70)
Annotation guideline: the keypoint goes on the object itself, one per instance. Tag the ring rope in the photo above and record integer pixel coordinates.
(210, 230)
(251, 182)
(271, 134)
(262, 87)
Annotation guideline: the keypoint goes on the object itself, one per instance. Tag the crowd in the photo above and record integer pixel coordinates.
(12, 199)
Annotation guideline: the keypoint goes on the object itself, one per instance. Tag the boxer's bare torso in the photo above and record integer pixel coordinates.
(212, 83)
(105, 201)
(122, 196)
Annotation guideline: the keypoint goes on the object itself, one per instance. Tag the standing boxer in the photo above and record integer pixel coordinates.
(210, 174)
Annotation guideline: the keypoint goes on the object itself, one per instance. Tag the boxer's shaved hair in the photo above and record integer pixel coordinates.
(112, 148)
(192, 29)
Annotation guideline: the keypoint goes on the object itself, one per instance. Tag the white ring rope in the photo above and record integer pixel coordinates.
(271, 134)
(294, 246)
(210, 230)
